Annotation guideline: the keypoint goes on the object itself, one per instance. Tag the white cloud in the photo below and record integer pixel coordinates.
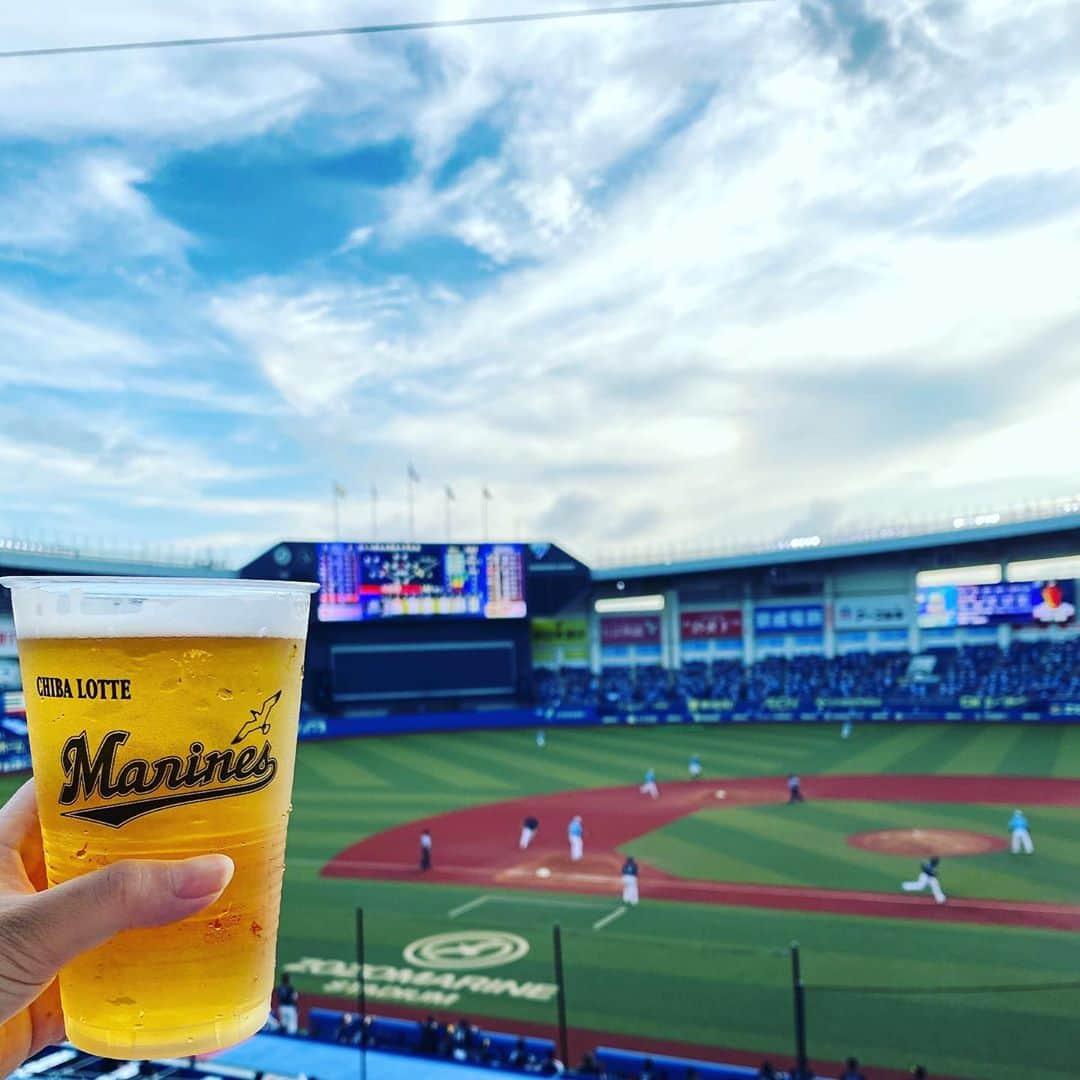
(41, 346)
(356, 239)
(90, 201)
(737, 267)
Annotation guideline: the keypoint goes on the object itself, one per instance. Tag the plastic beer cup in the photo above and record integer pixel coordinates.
(162, 716)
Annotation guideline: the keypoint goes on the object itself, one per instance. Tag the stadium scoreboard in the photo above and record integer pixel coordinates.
(372, 581)
(1017, 602)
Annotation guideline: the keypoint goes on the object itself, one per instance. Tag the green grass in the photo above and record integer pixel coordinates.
(807, 845)
(718, 976)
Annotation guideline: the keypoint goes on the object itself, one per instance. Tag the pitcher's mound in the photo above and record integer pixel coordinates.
(922, 842)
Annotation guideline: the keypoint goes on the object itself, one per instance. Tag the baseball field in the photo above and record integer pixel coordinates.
(986, 985)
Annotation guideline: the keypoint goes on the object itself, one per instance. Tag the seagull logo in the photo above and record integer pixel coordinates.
(260, 719)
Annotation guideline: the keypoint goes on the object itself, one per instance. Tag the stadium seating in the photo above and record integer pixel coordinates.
(493, 1049)
(631, 1063)
(1036, 671)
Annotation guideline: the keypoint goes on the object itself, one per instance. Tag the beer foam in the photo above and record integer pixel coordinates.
(87, 607)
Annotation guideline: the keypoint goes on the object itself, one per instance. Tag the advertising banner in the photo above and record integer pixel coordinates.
(630, 630)
(789, 618)
(560, 641)
(710, 625)
(1019, 602)
(871, 612)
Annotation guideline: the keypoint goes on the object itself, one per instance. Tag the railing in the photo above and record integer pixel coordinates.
(961, 524)
(102, 548)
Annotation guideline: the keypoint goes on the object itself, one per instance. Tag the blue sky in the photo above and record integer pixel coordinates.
(655, 279)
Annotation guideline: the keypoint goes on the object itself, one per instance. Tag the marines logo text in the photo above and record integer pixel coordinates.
(200, 776)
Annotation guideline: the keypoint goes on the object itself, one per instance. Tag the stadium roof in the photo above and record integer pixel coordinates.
(805, 550)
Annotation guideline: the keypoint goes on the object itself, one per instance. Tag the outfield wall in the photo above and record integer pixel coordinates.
(319, 726)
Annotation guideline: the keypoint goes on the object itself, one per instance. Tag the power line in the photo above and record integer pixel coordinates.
(384, 28)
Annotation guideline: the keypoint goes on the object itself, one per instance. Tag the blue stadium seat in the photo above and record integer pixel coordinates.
(630, 1063)
(323, 1024)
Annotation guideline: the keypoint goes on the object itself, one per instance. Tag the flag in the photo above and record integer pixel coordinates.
(339, 491)
(414, 476)
(450, 493)
(486, 492)
(374, 491)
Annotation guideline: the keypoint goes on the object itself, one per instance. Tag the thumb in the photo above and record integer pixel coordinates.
(88, 910)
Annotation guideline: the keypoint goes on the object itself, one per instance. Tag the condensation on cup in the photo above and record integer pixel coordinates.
(162, 716)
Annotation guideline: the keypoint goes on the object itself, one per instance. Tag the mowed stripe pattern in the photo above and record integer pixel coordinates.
(714, 976)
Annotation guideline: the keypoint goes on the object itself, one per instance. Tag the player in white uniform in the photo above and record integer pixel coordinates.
(649, 787)
(927, 879)
(576, 835)
(695, 767)
(1021, 835)
(541, 739)
(528, 831)
(630, 881)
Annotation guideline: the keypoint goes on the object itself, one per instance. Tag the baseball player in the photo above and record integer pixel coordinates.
(927, 879)
(649, 787)
(425, 850)
(1021, 837)
(630, 881)
(794, 790)
(695, 767)
(845, 730)
(576, 836)
(541, 739)
(528, 831)
(287, 1012)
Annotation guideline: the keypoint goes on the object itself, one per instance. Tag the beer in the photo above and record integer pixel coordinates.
(163, 719)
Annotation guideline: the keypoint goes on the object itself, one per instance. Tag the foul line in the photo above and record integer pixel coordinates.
(541, 902)
(453, 913)
(609, 918)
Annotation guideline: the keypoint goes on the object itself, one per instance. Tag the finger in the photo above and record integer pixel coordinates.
(81, 914)
(22, 865)
(31, 1030)
(18, 815)
(46, 1019)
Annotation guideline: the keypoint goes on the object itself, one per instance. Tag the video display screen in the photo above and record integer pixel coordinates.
(386, 581)
(1009, 602)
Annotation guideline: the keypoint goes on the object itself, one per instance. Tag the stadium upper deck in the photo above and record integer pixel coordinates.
(1016, 535)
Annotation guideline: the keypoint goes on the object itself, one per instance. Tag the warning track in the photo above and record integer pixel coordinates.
(477, 845)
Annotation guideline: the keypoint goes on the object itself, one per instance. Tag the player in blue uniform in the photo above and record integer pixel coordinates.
(794, 789)
(649, 787)
(630, 881)
(1021, 835)
(288, 1015)
(576, 835)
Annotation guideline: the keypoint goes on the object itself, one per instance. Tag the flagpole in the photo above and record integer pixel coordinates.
(336, 493)
(449, 499)
(485, 498)
(411, 478)
(374, 512)
(409, 485)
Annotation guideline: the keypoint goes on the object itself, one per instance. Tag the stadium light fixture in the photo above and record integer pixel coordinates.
(612, 605)
(1067, 566)
(983, 574)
